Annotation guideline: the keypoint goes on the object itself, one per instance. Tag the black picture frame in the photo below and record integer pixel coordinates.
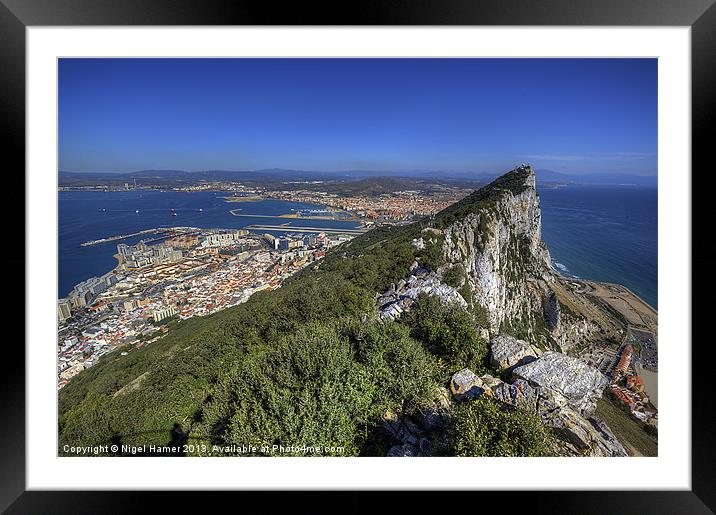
(17, 15)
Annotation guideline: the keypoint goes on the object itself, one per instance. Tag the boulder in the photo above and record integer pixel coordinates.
(466, 385)
(585, 436)
(418, 243)
(580, 384)
(490, 381)
(507, 352)
(518, 394)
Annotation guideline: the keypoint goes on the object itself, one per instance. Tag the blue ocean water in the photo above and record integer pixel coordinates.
(605, 233)
(81, 219)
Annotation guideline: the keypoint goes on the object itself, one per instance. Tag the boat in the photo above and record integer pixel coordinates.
(137, 211)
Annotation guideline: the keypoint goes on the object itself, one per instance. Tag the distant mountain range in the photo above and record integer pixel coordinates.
(178, 177)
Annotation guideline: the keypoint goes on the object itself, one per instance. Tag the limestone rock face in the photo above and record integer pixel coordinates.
(586, 436)
(568, 377)
(399, 298)
(506, 352)
(500, 247)
(495, 238)
(466, 385)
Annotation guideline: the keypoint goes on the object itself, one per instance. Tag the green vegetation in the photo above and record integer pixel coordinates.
(324, 385)
(306, 364)
(448, 332)
(628, 429)
(454, 276)
(484, 428)
(485, 200)
(432, 256)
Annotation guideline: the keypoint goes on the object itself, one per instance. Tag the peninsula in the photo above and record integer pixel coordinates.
(449, 336)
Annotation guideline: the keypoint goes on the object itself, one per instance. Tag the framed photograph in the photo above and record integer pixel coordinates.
(426, 247)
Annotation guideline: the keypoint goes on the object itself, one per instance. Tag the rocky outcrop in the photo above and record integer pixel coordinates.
(494, 236)
(586, 436)
(519, 393)
(466, 385)
(582, 433)
(399, 297)
(551, 311)
(422, 433)
(507, 352)
(567, 377)
(500, 247)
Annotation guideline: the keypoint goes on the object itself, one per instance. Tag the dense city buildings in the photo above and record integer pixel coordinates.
(196, 272)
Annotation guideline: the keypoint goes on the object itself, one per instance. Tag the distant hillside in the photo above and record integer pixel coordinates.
(352, 181)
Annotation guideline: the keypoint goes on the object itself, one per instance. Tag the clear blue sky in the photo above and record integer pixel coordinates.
(481, 115)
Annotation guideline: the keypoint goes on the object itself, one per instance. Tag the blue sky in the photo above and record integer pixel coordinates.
(468, 115)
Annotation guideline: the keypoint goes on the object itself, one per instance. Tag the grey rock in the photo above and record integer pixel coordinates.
(568, 377)
(490, 381)
(518, 394)
(506, 352)
(551, 310)
(392, 303)
(398, 430)
(419, 243)
(466, 385)
(585, 436)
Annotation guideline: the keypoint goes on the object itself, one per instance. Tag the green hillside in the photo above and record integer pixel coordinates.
(309, 363)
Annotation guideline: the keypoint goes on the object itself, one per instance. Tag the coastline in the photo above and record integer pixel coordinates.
(649, 376)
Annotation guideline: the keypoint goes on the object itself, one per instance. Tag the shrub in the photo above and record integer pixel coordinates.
(448, 331)
(454, 276)
(325, 385)
(483, 428)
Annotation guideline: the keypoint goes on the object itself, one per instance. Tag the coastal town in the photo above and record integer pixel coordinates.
(196, 272)
(175, 273)
(631, 365)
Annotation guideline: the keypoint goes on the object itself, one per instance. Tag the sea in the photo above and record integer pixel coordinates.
(604, 233)
(93, 215)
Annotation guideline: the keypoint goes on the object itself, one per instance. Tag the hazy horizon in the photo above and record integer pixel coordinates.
(460, 116)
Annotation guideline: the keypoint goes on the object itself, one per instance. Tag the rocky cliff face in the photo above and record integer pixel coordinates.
(494, 235)
(498, 243)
